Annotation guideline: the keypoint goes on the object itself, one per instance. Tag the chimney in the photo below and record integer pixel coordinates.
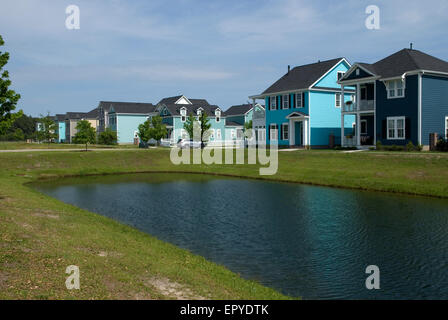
(289, 68)
(411, 45)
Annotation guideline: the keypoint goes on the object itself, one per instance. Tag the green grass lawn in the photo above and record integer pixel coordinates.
(6, 145)
(41, 236)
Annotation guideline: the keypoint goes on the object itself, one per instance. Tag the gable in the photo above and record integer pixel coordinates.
(183, 100)
(361, 74)
(329, 80)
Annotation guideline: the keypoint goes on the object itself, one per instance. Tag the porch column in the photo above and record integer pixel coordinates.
(374, 113)
(342, 116)
(292, 135)
(358, 129)
(305, 132)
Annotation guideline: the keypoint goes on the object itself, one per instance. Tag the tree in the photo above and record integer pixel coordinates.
(8, 98)
(248, 129)
(85, 133)
(189, 125)
(198, 128)
(205, 126)
(157, 130)
(108, 137)
(47, 129)
(144, 132)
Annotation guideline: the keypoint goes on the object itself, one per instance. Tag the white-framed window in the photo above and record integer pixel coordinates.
(363, 126)
(340, 74)
(395, 89)
(199, 112)
(299, 100)
(338, 100)
(273, 104)
(183, 115)
(396, 128)
(353, 98)
(285, 101)
(285, 131)
(273, 132)
(446, 127)
(218, 115)
(218, 134)
(232, 134)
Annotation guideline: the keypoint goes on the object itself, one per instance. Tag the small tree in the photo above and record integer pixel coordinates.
(47, 129)
(85, 133)
(189, 126)
(144, 131)
(205, 126)
(108, 137)
(248, 129)
(8, 98)
(157, 130)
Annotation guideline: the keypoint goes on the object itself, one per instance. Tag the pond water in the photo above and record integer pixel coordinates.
(308, 241)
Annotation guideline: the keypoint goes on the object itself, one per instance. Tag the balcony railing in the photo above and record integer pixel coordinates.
(363, 105)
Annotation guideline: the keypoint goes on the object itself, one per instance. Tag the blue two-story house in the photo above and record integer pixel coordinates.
(400, 99)
(175, 111)
(303, 107)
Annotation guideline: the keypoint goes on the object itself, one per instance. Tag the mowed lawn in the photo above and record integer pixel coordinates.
(41, 236)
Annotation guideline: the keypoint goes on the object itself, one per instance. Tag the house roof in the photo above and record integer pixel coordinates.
(93, 114)
(60, 117)
(75, 115)
(237, 110)
(302, 77)
(233, 124)
(404, 61)
(174, 109)
(172, 100)
(132, 107)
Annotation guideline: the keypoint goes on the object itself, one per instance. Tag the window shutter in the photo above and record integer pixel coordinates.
(280, 105)
(408, 128)
(279, 134)
(384, 129)
(294, 102)
(268, 103)
(303, 99)
(290, 101)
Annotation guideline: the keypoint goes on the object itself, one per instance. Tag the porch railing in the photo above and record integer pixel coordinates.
(363, 105)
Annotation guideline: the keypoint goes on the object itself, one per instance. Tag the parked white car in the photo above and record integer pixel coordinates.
(184, 143)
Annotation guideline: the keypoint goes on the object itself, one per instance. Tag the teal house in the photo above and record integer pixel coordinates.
(60, 127)
(175, 110)
(125, 117)
(236, 117)
(303, 107)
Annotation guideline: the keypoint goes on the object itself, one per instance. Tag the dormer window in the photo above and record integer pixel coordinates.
(199, 112)
(395, 89)
(218, 115)
(183, 115)
(340, 74)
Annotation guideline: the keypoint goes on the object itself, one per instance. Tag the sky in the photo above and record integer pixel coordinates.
(222, 51)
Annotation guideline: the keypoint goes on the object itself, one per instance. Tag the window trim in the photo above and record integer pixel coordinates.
(285, 101)
(340, 72)
(273, 103)
(446, 127)
(395, 121)
(183, 114)
(395, 89)
(363, 121)
(299, 95)
(283, 131)
(273, 127)
(218, 115)
(218, 134)
(336, 100)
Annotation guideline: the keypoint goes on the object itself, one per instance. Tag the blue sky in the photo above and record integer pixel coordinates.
(222, 51)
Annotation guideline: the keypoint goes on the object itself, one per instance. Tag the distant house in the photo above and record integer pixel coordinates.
(303, 107)
(125, 117)
(237, 116)
(399, 99)
(60, 127)
(103, 114)
(71, 120)
(175, 111)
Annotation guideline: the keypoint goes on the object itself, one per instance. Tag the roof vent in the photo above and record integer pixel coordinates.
(411, 45)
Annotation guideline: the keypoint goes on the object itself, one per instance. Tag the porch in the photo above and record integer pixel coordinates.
(300, 129)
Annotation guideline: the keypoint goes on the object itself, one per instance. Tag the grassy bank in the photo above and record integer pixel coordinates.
(41, 236)
(6, 145)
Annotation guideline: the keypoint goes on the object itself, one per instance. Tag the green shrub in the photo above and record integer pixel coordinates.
(442, 145)
(379, 145)
(107, 137)
(410, 146)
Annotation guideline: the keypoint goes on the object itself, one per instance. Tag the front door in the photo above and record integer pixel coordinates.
(298, 133)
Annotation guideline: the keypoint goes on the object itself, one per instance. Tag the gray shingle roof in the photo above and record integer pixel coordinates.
(75, 115)
(93, 114)
(174, 109)
(172, 100)
(404, 61)
(302, 77)
(238, 110)
(60, 117)
(132, 107)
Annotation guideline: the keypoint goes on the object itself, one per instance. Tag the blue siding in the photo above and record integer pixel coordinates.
(238, 119)
(325, 118)
(434, 106)
(407, 107)
(127, 125)
(61, 131)
(330, 80)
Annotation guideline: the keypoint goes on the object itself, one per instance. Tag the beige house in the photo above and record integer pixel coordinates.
(72, 119)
